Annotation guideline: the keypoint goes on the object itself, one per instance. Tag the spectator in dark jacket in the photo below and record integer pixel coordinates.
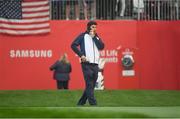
(62, 68)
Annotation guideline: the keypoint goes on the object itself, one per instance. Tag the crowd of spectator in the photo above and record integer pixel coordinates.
(115, 9)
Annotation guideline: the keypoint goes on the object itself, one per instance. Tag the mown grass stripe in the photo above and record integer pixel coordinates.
(90, 112)
(54, 98)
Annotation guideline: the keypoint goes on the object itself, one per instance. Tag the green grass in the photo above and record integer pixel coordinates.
(114, 104)
(68, 112)
(90, 112)
(45, 98)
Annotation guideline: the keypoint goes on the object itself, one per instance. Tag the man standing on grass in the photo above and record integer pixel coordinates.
(90, 44)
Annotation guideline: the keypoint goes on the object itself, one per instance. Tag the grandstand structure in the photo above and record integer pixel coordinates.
(115, 9)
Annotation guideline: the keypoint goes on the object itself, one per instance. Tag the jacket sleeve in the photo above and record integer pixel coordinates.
(53, 67)
(99, 43)
(75, 45)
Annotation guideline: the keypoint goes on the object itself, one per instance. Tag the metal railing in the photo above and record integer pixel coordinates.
(73, 9)
(115, 9)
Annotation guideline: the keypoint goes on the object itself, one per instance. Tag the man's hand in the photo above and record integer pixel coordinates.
(92, 33)
(83, 59)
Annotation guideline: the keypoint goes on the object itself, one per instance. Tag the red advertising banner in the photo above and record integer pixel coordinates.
(25, 60)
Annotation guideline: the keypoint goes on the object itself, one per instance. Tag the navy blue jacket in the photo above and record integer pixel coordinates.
(61, 71)
(79, 41)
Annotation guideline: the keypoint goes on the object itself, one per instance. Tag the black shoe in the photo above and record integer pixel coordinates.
(80, 104)
(93, 104)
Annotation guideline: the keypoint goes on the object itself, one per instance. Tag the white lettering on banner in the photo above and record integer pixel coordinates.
(111, 53)
(110, 56)
(111, 60)
(30, 53)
